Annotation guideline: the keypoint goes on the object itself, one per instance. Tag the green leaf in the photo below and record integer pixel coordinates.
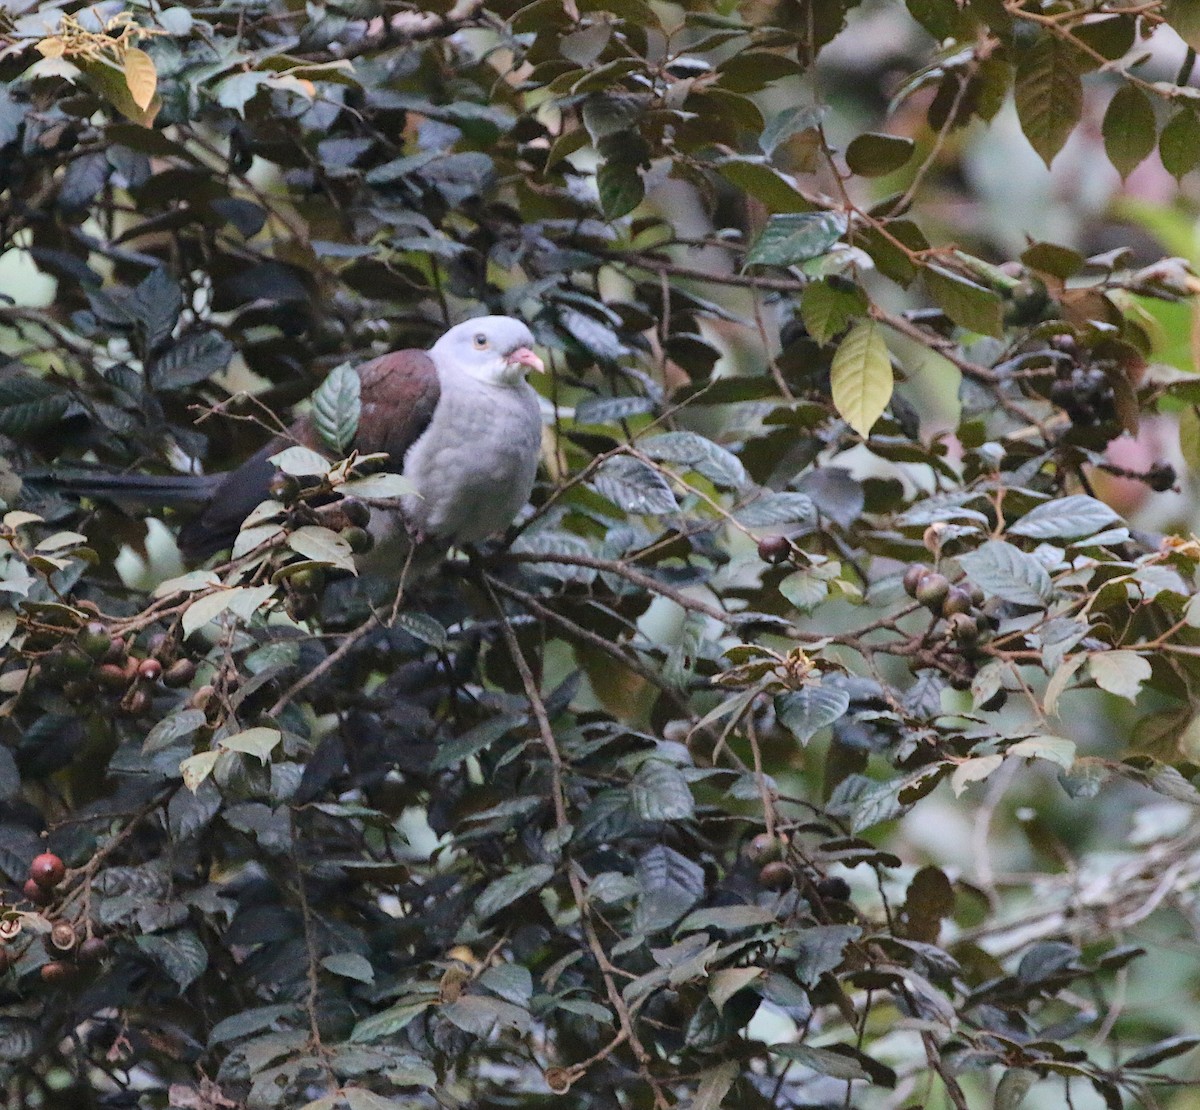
(861, 377)
(970, 305)
(764, 183)
(1119, 672)
(1048, 94)
(1065, 518)
(196, 768)
(178, 726)
(828, 306)
(301, 462)
(633, 486)
(336, 408)
(508, 888)
(28, 404)
(806, 711)
(350, 965)
(725, 982)
(1011, 1090)
(794, 237)
(822, 1060)
(621, 188)
(1167, 1049)
(475, 740)
(180, 954)
(389, 1021)
(696, 453)
(480, 1015)
(259, 742)
(713, 1085)
(1003, 571)
(777, 508)
(322, 545)
(872, 154)
(973, 770)
(659, 792)
(1129, 129)
(805, 589)
(1184, 17)
(423, 627)
(1056, 749)
(1179, 143)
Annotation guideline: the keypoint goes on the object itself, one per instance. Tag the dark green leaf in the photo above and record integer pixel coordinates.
(1129, 129)
(1065, 518)
(1049, 94)
(660, 792)
(1162, 1050)
(872, 154)
(968, 304)
(1179, 143)
(195, 358)
(822, 1060)
(337, 406)
(806, 711)
(828, 307)
(507, 889)
(621, 188)
(1003, 571)
(795, 237)
(633, 486)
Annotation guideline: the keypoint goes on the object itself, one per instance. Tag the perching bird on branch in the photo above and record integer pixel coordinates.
(459, 421)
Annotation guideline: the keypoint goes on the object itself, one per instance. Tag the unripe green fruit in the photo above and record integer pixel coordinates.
(933, 590)
(765, 848)
(776, 876)
(957, 601)
(94, 640)
(179, 673)
(359, 539)
(357, 512)
(913, 577)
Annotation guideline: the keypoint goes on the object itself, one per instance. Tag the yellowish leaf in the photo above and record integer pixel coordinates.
(140, 76)
(861, 376)
(52, 47)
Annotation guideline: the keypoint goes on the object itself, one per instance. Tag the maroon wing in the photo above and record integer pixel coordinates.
(400, 390)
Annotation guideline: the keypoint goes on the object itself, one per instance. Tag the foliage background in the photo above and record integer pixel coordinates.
(516, 848)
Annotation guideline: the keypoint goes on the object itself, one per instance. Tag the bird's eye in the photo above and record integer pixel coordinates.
(481, 341)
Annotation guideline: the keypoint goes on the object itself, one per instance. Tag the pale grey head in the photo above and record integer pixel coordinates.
(494, 349)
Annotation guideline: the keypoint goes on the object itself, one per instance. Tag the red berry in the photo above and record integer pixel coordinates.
(150, 669)
(92, 950)
(58, 972)
(38, 895)
(774, 549)
(47, 870)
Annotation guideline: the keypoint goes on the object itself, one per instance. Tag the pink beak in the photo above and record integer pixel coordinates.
(523, 356)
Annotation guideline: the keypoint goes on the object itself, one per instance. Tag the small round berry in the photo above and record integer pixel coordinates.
(150, 669)
(774, 549)
(833, 889)
(47, 870)
(360, 540)
(765, 848)
(112, 676)
(179, 673)
(357, 512)
(913, 578)
(56, 971)
(92, 950)
(776, 876)
(38, 895)
(963, 628)
(957, 601)
(933, 590)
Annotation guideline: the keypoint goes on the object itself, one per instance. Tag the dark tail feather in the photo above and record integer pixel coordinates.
(143, 490)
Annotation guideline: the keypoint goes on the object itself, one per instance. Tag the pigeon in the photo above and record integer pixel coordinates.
(459, 421)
